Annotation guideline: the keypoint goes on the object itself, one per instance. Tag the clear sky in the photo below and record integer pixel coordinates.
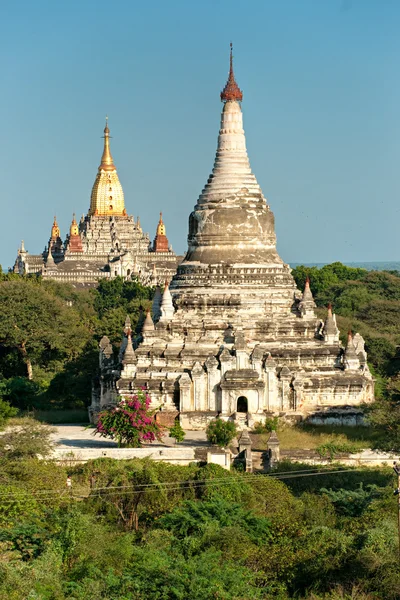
(321, 112)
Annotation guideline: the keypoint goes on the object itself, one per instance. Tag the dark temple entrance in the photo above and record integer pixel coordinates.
(242, 405)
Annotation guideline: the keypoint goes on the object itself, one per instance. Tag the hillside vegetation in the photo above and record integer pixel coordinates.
(140, 530)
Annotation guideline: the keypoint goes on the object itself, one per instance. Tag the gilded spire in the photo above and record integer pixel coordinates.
(74, 229)
(107, 196)
(161, 226)
(55, 230)
(107, 163)
(231, 90)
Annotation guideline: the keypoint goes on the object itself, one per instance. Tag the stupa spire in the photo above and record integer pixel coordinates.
(107, 162)
(75, 242)
(330, 332)
(167, 307)
(307, 304)
(160, 243)
(55, 230)
(350, 358)
(235, 198)
(107, 195)
(231, 90)
(148, 324)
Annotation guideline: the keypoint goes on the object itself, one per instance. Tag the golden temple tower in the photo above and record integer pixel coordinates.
(75, 242)
(160, 243)
(55, 230)
(107, 195)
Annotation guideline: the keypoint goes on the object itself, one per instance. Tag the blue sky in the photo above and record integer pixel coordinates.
(321, 112)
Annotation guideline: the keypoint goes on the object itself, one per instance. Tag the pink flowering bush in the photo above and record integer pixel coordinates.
(131, 422)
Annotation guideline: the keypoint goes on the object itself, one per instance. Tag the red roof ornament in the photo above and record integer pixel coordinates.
(231, 90)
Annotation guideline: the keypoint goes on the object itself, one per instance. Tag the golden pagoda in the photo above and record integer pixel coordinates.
(107, 197)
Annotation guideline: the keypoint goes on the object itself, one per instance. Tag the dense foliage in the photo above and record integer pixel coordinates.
(130, 422)
(49, 334)
(142, 530)
(220, 432)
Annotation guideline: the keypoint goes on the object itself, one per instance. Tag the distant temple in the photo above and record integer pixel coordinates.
(105, 243)
(231, 335)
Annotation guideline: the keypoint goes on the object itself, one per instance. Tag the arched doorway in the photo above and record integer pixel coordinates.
(242, 404)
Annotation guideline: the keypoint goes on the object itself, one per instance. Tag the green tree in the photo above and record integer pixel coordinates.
(38, 324)
(221, 432)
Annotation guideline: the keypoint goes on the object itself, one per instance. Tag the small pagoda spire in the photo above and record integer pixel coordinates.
(107, 163)
(160, 243)
(74, 229)
(75, 242)
(129, 354)
(350, 347)
(50, 260)
(330, 332)
(231, 90)
(307, 304)
(167, 307)
(350, 358)
(148, 324)
(55, 230)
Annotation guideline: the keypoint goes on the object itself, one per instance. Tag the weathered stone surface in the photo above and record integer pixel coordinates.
(237, 339)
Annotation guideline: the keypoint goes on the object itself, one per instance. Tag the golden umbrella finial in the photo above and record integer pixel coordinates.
(107, 163)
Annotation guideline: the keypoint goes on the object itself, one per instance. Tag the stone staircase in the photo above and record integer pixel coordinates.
(260, 460)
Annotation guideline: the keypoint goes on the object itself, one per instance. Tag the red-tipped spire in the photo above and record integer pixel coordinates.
(329, 309)
(231, 90)
(349, 336)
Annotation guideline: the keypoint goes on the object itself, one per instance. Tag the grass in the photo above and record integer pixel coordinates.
(58, 416)
(309, 437)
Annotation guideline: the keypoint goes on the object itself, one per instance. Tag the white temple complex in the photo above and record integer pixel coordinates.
(231, 335)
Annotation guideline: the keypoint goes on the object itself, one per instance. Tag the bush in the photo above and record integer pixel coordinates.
(130, 422)
(28, 439)
(220, 432)
(177, 432)
(270, 424)
(6, 412)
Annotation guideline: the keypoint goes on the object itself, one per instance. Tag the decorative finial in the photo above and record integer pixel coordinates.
(231, 90)
(107, 163)
(74, 229)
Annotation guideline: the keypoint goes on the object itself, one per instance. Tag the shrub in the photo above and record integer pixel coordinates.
(6, 411)
(177, 432)
(221, 432)
(270, 424)
(131, 422)
(27, 439)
